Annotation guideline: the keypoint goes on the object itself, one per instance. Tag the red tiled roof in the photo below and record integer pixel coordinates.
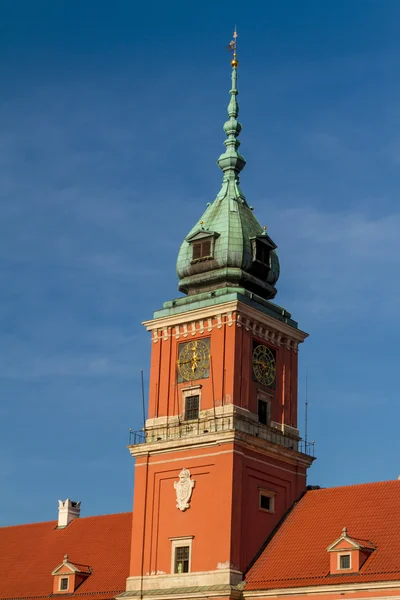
(29, 554)
(296, 556)
(364, 543)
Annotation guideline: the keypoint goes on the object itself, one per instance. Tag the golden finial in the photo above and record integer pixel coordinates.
(233, 46)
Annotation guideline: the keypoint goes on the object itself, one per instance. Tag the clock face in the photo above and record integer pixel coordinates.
(264, 365)
(194, 360)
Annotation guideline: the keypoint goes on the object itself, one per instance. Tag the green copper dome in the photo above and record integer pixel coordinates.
(227, 247)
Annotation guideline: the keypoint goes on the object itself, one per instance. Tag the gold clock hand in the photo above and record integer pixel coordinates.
(184, 362)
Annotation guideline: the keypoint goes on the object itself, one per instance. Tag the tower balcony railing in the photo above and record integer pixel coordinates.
(220, 423)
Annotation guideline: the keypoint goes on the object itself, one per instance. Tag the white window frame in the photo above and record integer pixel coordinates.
(340, 554)
(60, 589)
(177, 542)
(187, 392)
(269, 494)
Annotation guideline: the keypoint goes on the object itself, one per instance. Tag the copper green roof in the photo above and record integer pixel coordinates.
(232, 228)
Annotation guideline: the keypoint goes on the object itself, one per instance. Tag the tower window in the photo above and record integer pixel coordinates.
(263, 416)
(192, 408)
(344, 561)
(201, 249)
(64, 583)
(182, 554)
(266, 501)
(262, 253)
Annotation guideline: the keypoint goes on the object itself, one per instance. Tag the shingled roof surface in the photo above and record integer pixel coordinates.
(29, 554)
(296, 556)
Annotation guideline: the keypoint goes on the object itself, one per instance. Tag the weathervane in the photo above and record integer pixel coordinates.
(232, 48)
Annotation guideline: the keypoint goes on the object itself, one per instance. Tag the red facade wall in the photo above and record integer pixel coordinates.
(224, 516)
(209, 516)
(230, 379)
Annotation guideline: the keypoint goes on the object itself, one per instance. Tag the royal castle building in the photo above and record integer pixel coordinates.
(221, 504)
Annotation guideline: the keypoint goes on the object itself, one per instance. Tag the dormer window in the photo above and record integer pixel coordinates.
(64, 584)
(202, 244)
(344, 561)
(348, 554)
(262, 252)
(68, 576)
(202, 249)
(261, 248)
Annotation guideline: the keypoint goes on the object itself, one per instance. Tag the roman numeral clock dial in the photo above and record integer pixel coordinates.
(194, 360)
(264, 365)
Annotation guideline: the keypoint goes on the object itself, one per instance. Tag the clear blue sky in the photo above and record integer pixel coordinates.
(111, 116)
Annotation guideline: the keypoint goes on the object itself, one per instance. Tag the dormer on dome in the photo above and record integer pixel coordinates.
(240, 252)
(202, 243)
(68, 576)
(348, 554)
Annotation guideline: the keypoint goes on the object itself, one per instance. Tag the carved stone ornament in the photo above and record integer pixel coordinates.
(184, 488)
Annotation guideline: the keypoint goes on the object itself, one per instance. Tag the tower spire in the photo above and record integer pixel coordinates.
(227, 248)
(231, 161)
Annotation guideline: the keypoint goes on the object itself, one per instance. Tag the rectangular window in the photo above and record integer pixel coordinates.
(192, 408)
(266, 501)
(262, 252)
(181, 559)
(64, 583)
(263, 412)
(344, 561)
(201, 249)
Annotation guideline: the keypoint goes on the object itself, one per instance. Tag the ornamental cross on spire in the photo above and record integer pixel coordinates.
(233, 47)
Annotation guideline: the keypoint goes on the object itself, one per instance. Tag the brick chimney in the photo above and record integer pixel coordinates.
(68, 510)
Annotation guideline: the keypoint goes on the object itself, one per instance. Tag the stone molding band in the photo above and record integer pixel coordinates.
(230, 318)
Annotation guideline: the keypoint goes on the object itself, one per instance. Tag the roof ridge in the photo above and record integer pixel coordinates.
(353, 485)
(54, 521)
(27, 525)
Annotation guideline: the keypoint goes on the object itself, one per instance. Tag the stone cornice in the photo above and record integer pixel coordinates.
(219, 438)
(203, 592)
(234, 313)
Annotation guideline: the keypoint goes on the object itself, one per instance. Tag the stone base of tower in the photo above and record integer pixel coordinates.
(165, 581)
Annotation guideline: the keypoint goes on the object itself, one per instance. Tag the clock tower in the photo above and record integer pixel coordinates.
(220, 460)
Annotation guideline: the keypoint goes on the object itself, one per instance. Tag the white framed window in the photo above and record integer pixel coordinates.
(63, 584)
(181, 555)
(266, 500)
(191, 402)
(344, 561)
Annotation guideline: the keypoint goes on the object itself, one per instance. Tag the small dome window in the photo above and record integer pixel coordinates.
(202, 244)
(202, 249)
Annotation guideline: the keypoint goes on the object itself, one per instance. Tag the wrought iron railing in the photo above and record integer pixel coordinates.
(220, 423)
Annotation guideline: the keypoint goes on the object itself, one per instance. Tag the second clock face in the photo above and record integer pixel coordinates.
(194, 360)
(264, 365)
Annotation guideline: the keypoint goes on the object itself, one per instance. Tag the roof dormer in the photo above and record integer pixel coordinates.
(348, 554)
(69, 576)
(202, 243)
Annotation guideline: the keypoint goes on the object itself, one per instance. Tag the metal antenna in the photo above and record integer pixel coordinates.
(143, 406)
(306, 411)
